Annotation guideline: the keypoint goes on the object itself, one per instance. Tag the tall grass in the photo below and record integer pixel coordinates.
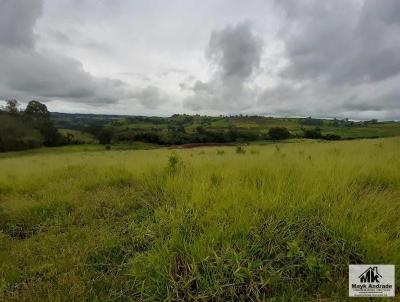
(280, 222)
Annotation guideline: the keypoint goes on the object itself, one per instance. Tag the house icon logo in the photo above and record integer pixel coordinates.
(370, 275)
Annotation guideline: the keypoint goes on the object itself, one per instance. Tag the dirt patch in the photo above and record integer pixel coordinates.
(197, 145)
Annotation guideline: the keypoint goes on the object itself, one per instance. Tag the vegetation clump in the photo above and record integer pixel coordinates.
(28, 128)
(173, 162)
(240, 150)
(278, 133)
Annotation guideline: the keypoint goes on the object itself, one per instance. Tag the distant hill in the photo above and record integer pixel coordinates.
(19, 132)
(182, 128)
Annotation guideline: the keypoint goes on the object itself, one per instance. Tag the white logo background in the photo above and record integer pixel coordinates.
(371, 280)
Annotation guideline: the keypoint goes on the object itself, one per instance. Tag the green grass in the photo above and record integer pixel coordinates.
(279, 222)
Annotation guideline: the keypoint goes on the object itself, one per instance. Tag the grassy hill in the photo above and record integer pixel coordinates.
(280, 221)
(180, 129)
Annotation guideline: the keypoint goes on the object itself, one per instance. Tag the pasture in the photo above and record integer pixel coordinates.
(279, 221)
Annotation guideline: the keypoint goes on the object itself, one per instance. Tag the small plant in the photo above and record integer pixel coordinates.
(294, 250)
(220, 152)
(107, 147)
(240, 150)
(253, 151)
(173, 162)
(215, 180)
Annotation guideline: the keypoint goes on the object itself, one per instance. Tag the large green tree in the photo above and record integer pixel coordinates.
(37, 110)
(37, 113)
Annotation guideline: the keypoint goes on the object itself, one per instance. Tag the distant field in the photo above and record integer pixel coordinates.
(280, 221)
(183, 129)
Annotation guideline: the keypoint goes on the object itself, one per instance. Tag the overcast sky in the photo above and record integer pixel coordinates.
(337, 58)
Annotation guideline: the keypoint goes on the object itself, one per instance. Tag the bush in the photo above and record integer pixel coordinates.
(278, 133)
(240, 150)
(312, 133)
(52, 137)
(332, 137)
(311, 121)
(105, 135)
(173, 162)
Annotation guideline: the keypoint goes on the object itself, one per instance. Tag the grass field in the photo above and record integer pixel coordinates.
(278, 222)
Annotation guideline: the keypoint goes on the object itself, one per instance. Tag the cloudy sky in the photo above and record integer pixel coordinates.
(334, 58)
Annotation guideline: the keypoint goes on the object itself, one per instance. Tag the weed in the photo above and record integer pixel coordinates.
(173, 162)
(240, 150)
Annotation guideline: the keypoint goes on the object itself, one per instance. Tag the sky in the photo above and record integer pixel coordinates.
(333, 58)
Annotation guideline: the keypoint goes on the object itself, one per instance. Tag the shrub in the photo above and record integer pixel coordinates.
(311, 121)
(332, 137)
(278, 133)
(173, 162)
(312, 133)
(240, 150)
(105, 135)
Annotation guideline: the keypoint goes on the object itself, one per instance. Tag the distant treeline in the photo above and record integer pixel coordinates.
(35, 126)
(186, 129)
(202, 135)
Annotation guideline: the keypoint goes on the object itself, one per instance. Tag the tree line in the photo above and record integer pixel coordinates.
(33, 127)
(28, 128)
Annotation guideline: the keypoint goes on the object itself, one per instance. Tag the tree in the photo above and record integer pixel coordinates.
(12, 106)
(105, 135)
(311, 121)
(37, 111)
(39, 116)
(312, 133)
(278, 133)
(52, 137)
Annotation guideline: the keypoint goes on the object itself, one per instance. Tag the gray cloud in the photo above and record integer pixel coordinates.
(236, 51)
(341, 41)
(17, 19)
(236, 54)
(27, 73)
(321, 58)
(49, 75)
(150, 97)
(59, 37)
(343, 60)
